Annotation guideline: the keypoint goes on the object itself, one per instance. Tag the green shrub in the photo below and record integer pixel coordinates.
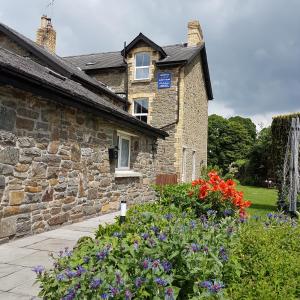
(159, 253)
(269, 255)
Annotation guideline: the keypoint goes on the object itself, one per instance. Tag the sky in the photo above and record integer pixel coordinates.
(253, 46)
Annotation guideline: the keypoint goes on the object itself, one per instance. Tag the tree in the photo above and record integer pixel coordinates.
(259, 166)
(229, 140)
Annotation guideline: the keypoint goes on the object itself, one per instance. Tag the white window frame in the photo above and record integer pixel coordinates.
(193, 165)
(140, 114)
(141, 67)
(124, 137)
(183, 165)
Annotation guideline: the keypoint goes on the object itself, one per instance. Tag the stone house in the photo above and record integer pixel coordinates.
(69, 149)
(167, 87)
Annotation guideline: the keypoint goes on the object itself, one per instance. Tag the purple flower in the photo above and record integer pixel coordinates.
(95, 283)
(104, 296)
(223, 254)
(162, 237)
(193, 224)
(86, 259)
(145, 263)
(205, 249)
(102, 254)
(70, 273)
(160, 281)
(60, 277)
(167, 266)
(71, 295)
(206, 284)
(213, 287)
(227, 212)
(155, 264)
(119, 280)
(270, 215)
(155, 229)
(38, 269)
(168, 216)
(216, 287)
(139, 281)
(151, 243)
(145, 235)
(169, 293)
(128, 295)
(114, 291)
(195, 247)
(80, 270)
(136, 245)
(117, 234)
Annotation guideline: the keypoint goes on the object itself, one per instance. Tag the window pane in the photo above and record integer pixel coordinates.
(124, 153)
(141, 106)
(142, 60)
(142, 73)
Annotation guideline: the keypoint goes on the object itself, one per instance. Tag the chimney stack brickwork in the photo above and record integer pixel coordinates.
(195, 35)
(46, 35)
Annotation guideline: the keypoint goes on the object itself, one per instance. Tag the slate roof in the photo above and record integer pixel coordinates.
(175, 53)
(57, 63)
(170, 55)
(21, 71)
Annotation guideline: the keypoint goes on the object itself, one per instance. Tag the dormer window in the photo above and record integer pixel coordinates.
(142, 66)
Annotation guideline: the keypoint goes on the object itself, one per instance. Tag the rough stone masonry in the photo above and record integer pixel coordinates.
(55, 168)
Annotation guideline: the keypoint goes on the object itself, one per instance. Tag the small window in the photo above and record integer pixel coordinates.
(142, 66)
(140, 109)
(124, 152)
(183, 167)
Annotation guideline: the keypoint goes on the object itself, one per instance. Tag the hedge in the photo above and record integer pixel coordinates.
(280, 131)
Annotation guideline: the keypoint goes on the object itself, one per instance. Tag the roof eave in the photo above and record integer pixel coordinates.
(22, 79)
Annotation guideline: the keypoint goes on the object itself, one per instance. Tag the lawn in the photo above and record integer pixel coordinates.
(263, 199)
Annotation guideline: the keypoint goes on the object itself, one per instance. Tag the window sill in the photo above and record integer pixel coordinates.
(128, 173)
(141, 80)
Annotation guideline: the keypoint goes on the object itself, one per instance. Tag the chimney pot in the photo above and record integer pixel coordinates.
(195, 35)
(46, 35)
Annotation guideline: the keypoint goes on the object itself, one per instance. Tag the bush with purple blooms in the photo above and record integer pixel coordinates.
(164, 253)
(159, 253)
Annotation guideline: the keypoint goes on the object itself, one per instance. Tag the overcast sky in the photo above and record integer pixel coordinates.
(253, 46)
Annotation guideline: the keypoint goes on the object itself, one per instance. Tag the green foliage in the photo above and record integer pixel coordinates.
(268, 253)
(159, 253)
(258, 166)
(229, 139)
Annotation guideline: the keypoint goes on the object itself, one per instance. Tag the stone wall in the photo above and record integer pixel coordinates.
(193, 126)
(54, 165)
(113, 78)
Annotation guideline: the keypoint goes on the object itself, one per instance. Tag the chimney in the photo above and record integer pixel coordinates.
(46, 35)
(195, 35)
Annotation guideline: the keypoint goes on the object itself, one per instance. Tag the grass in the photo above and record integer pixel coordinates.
(263, 199)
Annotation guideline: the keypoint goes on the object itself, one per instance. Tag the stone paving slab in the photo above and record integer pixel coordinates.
(34, 259)
(8, 253)
(6, 269)
(54, 245)
(15, 279)
(13, 296)
(66, 234)
(17, 258)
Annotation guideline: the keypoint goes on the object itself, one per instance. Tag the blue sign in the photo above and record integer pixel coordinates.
(164, 80)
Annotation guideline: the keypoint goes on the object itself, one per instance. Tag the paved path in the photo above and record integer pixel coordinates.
(17, 258)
